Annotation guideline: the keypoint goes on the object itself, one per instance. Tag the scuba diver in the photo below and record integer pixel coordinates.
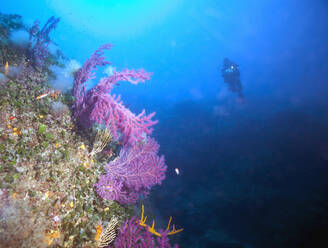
(231, 76)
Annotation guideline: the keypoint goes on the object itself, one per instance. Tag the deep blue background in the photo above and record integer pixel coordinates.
(251, 174)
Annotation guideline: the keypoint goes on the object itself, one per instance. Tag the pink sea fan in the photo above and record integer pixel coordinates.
(87, 72)
(109, 110)
(140, 166)
(99, 106)
(109, 188)
(129, 235)
(134, 172)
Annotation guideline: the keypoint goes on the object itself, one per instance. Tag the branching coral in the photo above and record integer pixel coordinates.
(134, 172)
(99, 106)
(152, 230)
(132, 234)
(39, 39)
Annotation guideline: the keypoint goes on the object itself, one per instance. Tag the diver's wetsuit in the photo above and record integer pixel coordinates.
(231, 75)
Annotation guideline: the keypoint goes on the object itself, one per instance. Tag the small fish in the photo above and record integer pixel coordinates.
(42, 96)
(177, 171)
(6, 68)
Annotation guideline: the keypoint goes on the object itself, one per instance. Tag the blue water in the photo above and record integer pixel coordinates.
(252, 173)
